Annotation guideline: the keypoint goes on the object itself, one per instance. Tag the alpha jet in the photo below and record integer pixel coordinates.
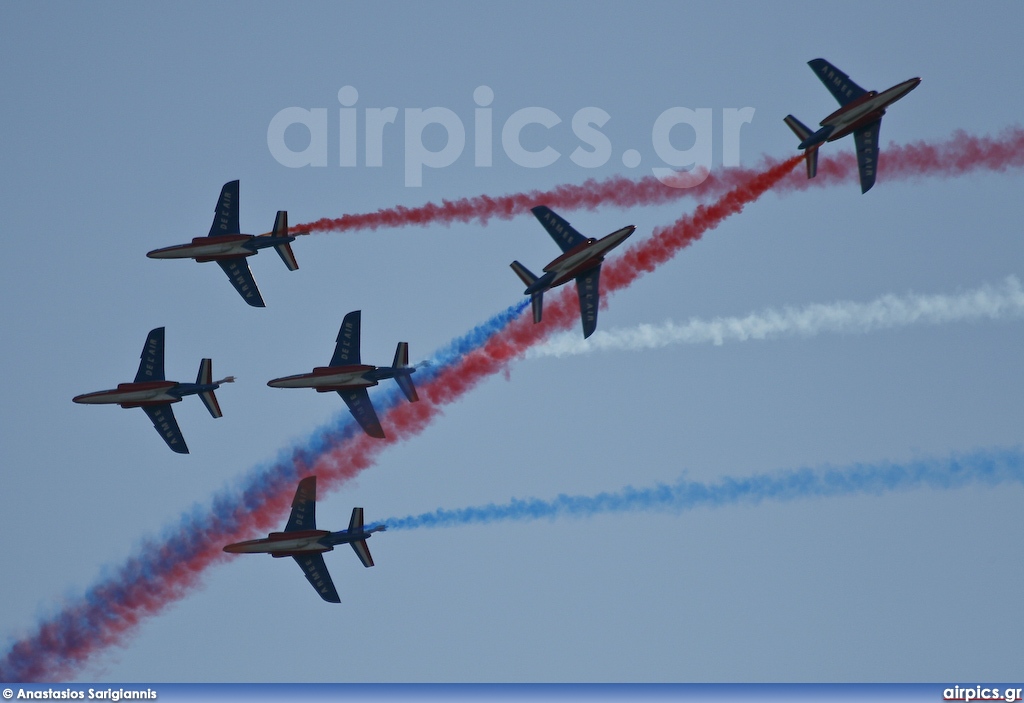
(306, 544)
(350, 377)
(229, 247)
(151, 392)
(860, 114)
(581, 259)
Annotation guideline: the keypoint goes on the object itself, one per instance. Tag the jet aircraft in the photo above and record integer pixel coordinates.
(306, 544)
(151, 392)
(229, 247)
(350, 377)
(860, 113)
(581, 259)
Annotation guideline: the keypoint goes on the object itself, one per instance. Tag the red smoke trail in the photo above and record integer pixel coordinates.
(560, 312)
(166, 570)
(959, 154)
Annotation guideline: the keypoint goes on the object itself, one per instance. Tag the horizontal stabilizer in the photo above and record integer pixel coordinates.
(524, 273)
(363, 552)
(405, 383)
(798, 127)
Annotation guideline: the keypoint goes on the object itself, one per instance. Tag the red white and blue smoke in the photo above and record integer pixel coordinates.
(165, 569)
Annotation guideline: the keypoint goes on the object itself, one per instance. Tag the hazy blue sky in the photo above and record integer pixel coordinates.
(122, 121)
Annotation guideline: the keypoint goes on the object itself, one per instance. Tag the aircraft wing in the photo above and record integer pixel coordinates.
(560, 230)
(162, 417)
(303, 516)
(151, 366)
(315, 569)
(241, 278)
(225, 217)
(346, 351)
(587, 287)
(866, 140)
(838, 83)
(358, 401)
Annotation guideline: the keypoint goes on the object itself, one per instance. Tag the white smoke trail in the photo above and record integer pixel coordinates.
(844, 317)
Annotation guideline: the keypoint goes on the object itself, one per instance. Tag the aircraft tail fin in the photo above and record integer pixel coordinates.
(205, 378)
(537, 301)
(803, 134)
(284, 250)
(537, 297)
(360, 548)
(404, 380)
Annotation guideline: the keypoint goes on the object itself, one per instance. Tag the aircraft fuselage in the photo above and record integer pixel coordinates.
(329, 378)
(223, 246)
(862, 111)
(584, 257)
(137, 395)
(132, 395)
(284, 544)
(289, 544)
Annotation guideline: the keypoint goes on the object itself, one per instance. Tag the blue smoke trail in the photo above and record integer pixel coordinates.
(986, 467)
(282, 473)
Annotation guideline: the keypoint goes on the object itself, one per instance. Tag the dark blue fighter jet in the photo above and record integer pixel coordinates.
(306, 544)
(350, 377)
(229, 247)
(154, 394)
(860, 114)
(581, 260)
